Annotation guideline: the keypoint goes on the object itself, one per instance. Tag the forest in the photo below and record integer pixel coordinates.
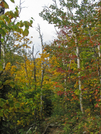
(59, 91)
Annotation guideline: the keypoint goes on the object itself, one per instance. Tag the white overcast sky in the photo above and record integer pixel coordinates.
(32, 8)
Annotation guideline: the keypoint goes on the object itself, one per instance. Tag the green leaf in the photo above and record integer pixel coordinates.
(77, 91)
(2, 32)
(31, 21)
(0, 83)
(26, 24)
(11, 103)
(1, 103)
(32, 18)
(1, 23)
(17, 105)
(15, 27)
(21, 24)
(12, 1)
(2, 40)
(1, 113)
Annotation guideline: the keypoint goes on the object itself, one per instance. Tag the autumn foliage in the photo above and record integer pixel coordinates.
(63, 84)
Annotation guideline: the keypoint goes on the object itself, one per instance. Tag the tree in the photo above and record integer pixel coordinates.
(78, 46)
(3, 5)
(10, 29)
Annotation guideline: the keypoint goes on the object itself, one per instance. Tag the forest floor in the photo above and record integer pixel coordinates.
(54, 130)
(53, 126)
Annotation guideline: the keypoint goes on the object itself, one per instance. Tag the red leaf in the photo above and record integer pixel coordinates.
(97, 105)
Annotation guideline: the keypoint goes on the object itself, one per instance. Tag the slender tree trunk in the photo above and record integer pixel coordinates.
(0, 46)
(3, 52)
(41, 96)
(35, 80)
(79, 80)
(26, 70)
(34, 62)
(65, 85)
(99, 71)
(78, 62)
(2, 11)
(43, 71)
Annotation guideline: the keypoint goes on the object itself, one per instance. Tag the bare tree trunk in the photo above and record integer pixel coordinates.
(34, 62)
(78, 61)
(26, 77)
(43, 71)
(41, 96)
(2, 11)
(0, 46)
(3, 58)
(65, 87)
(35, 80)
(79, 81)
(99, 69)
(4, 54)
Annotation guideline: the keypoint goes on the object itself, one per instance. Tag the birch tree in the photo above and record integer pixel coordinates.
(78, 18)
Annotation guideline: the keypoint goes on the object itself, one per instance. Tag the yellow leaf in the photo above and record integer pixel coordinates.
(25, 32)
(6, 5)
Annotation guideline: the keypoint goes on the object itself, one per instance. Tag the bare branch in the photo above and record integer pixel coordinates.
(40, 36)
(20, 6)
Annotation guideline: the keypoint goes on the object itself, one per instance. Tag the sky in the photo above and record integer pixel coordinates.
(32, 8)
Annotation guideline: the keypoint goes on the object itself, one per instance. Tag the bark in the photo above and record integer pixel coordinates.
(98, 59)
(34, 62)
(41, 96)
(43, 71)
(99, 68)
(65, 85)
(4, 54)
(0, 46)
(79, 80)
(2, 11)
(35, 80)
